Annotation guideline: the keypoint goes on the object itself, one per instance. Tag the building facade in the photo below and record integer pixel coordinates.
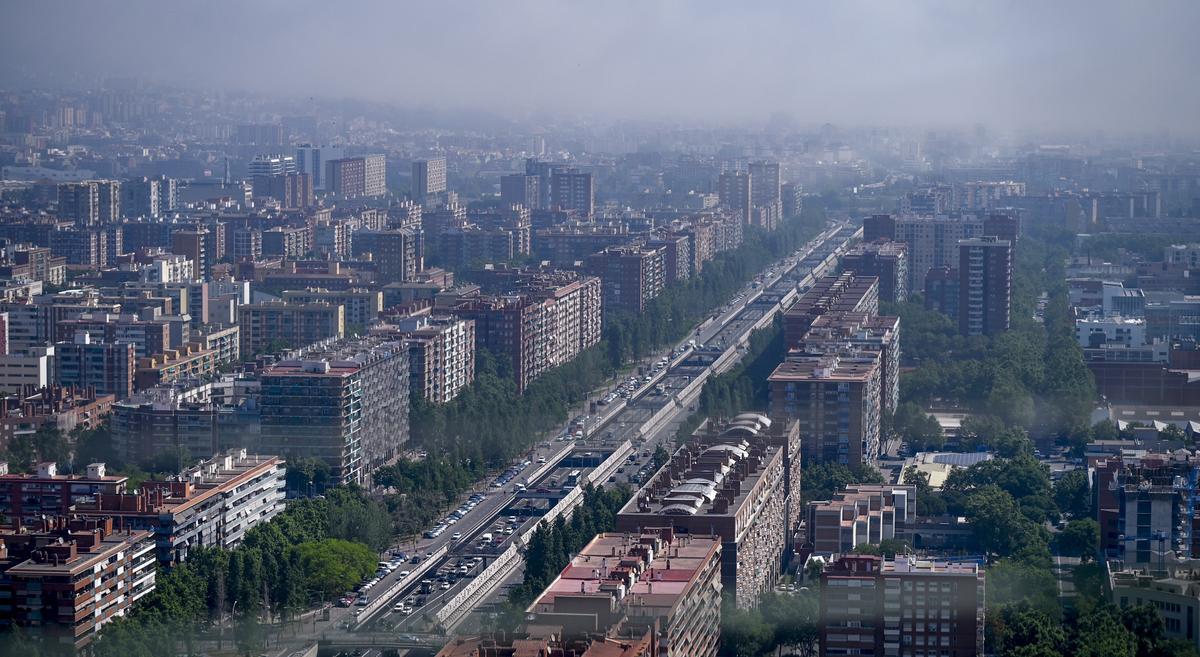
(905, 606)
(345, 403)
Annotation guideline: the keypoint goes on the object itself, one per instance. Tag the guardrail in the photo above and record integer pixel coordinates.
(499, 570)
(381, 602)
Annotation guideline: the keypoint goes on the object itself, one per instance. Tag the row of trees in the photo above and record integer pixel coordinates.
(670, 316)
(1022, 630)
(551, 547)
(490, 424)
(779, 622)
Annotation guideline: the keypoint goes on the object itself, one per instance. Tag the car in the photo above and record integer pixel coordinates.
(457, 536)
(416, 558)
(345, 602)
(428, 555)
(541, 459)
(405, 573)
(361, 601)
(445, 586)
(398, 607)
(463, 570)
(406, 610)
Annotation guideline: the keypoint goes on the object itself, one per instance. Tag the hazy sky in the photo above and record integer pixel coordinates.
(1028, 63)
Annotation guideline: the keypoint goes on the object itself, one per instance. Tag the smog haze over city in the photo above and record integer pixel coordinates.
(1073, 65)
(469, 328)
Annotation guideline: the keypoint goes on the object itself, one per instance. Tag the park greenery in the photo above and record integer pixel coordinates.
(315, 550)
(1031, 377)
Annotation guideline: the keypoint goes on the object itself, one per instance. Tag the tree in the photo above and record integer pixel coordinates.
(888, 548)
(1023, 630)
(333, 566)
(1080, 538)
(309, 476)
(998, 524)
(929, 502)
(919, 429)
(1173, 433)
(96, 445)
(821, 480)
(744, 633)
(1072, 494)
(978, 432)
(1101, 634)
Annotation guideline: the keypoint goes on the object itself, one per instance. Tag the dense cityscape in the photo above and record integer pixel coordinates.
(317, 375)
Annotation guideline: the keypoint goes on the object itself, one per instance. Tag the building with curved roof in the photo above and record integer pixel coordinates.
(738, 478)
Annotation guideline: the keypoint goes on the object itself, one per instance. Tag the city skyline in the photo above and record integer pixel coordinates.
(1037, 69)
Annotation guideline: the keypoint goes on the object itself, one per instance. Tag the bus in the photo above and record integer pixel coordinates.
(572, 479)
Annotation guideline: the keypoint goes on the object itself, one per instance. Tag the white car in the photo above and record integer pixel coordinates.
(457, 536)
(405, 573)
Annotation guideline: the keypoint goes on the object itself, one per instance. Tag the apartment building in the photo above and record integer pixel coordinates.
(203, 418)
(837, 401)
(521, 189)
(398, 253)
(1173, 591)
(264, 325)
(676, 255)
(655, 578)
(985, 281)
(941, 290)
(107, 367)
(362, 306)
(902, 606)
(212, 504)
(631, 276)
(187, 361)
(441, 354)
(546, 321)
(345, 402)
(352, 177)
(70, 577)
(428, 177)
(565, 244)
(847, 292)
(1142, 506)
(573, 190)
(740, 480)
(64, 409)
(736, 192)
(291, 242)
(852, 334)
(887, 261)
(32, 320)
(33, 367)
(861, 514)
